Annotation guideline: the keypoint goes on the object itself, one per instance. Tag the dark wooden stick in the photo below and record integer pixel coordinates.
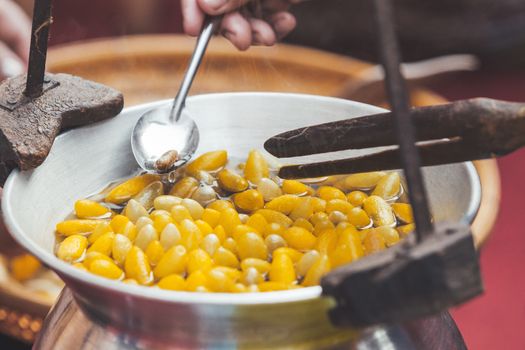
(398, 96)
(37, 55)
(427, 272)
(501, 124)
(479, 128)
(434, 154)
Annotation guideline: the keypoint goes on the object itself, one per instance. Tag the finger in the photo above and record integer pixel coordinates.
(283, 23)
(10, 63)
(262, 33)
(15, 28)
(237, 29)
(217, 7)
(192, 17)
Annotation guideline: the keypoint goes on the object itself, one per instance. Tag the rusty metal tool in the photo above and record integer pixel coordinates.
(433, 269)
(479, 128)
(36, 107)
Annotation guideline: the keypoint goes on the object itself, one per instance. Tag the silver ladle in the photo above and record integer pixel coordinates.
(165, 138)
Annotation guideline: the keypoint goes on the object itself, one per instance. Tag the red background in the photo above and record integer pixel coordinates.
(496, 320)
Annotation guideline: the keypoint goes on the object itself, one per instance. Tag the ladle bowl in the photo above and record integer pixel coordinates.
(85, 160)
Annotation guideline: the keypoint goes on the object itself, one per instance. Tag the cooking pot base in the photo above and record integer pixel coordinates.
(67, 327)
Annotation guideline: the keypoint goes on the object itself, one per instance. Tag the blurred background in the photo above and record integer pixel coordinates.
(493, 31)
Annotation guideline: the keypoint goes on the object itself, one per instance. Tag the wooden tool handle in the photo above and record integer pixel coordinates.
(28, 126)
(407, 281)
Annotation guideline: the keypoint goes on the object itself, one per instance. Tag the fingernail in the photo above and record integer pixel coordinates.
(215, 4)
(258, 39)
(10, 67)
(282, 24)
(278, 22)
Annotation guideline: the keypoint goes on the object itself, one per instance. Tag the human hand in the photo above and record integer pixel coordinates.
(15, 34)
(243, 29)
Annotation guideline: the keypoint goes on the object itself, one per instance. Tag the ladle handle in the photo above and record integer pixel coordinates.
(210, 26)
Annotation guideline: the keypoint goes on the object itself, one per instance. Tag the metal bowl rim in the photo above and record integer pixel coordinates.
(275, 297)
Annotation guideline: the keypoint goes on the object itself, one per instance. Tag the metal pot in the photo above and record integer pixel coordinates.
(85, 160)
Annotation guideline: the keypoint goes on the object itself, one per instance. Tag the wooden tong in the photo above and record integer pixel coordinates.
(460, 131)
(437, 267)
